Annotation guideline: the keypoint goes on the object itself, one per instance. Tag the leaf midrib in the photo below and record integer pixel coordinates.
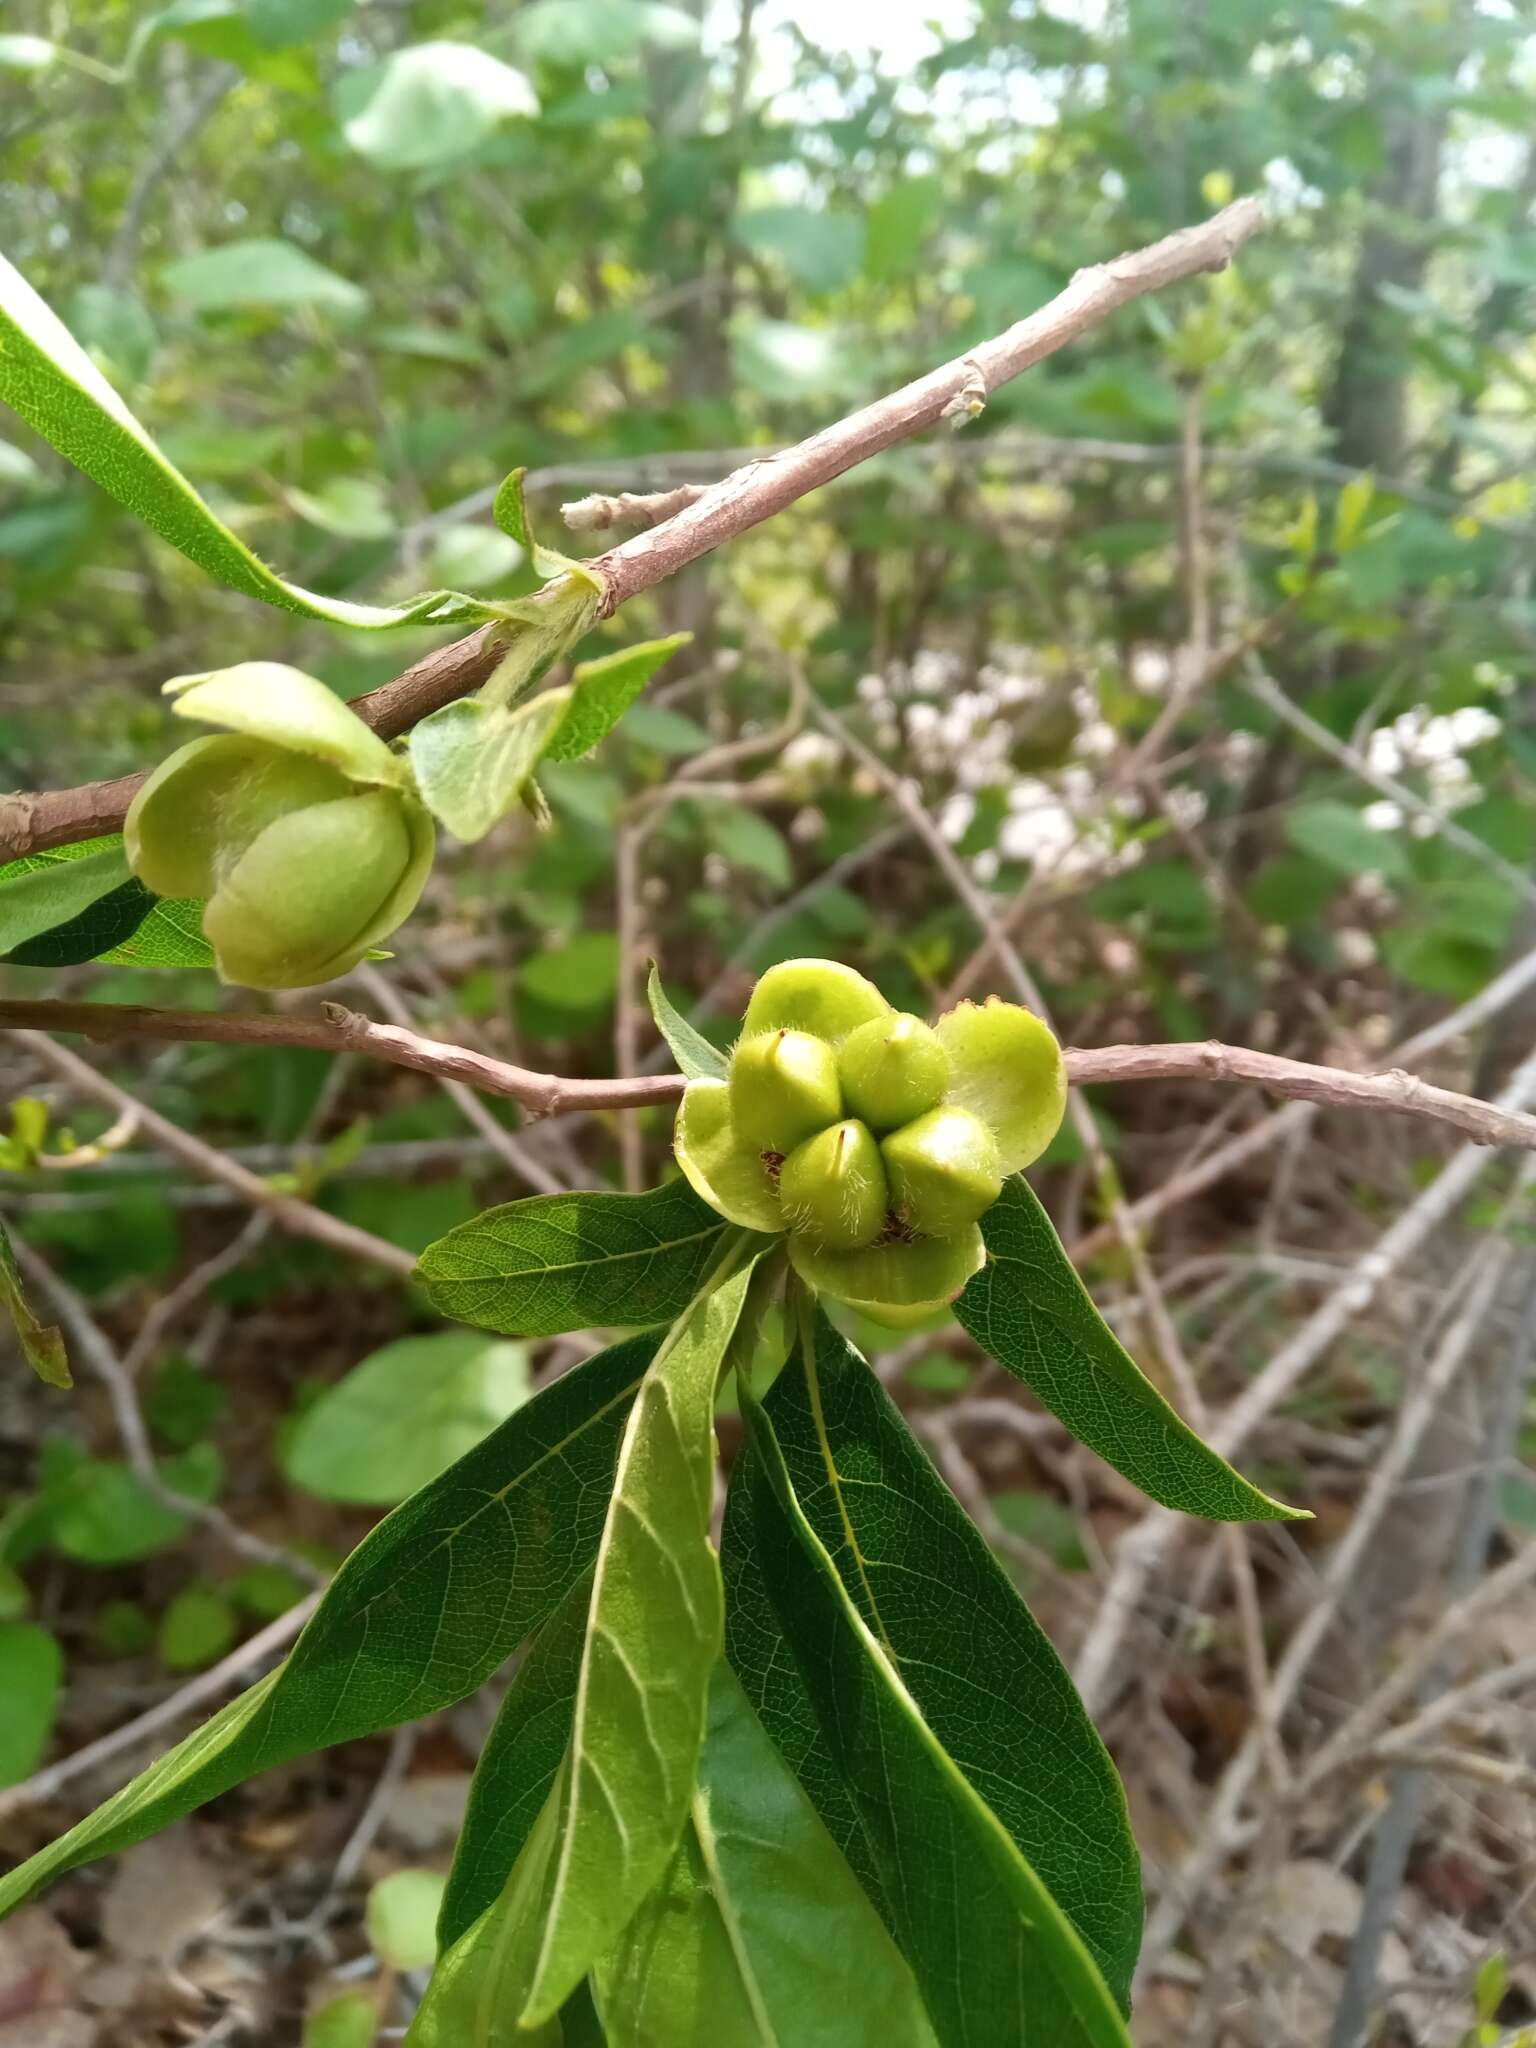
(663, 1244)
(450, 1536)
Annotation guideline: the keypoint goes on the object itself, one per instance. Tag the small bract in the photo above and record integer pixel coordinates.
(788, 1143)
(298, 827)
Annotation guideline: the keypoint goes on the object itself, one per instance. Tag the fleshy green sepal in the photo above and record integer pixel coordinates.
(1006, 1069)
(720, 1166)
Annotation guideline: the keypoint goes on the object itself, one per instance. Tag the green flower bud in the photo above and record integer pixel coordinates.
(818, 996)
(783, 1088)
(833, 1187)
(892, 1069)
(299, 829)
(943, 1171)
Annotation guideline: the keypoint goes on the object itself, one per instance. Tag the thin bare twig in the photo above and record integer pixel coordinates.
(1281, 1124)
(1414, 1417)
(1264, 690)
(1141, 1549)
(463, 1097)
(301, 1218)
(766, 485)
(187, 1699)
(89, 1341)
(341, 1030)
(628, 508)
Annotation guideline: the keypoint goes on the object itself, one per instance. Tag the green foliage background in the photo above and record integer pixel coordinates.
(350, 282)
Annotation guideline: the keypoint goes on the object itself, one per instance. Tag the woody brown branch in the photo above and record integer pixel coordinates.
(31, 821)
(338, 1029)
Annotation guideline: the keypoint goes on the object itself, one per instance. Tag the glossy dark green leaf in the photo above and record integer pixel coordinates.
(620, 1801)
(517, 1766)
(995, 1957)
(759, 1936)
(109, 922)
(1030, 1311)
(563, 1262)
(44, 894)
(424, 1610)
(694, 1054)
(979, 1667)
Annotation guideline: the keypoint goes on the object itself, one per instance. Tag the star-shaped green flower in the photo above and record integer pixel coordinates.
(875, 1141)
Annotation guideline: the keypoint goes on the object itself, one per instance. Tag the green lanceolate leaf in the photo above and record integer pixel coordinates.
(1030, 1311)
(170, 936)
(980, 1669)
(517, 1766)
(996, 1959)
(49, 379)
(618, 1806)
(42, 895)
(42, 1345)
(565, 1262)
(760, 1936)
(694, 1054)
(424, 1610)
(603, 690)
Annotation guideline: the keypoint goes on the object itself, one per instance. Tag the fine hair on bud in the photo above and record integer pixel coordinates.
(893, 1069)
(784, 1088)
(833, 1187)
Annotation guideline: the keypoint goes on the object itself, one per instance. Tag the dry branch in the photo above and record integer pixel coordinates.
(338, 1029)
(32, 821)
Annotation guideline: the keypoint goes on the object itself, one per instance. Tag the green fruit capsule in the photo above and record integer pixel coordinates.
(943, 1170)
(783, 1089)
(892, 1070)
(833, 1187)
